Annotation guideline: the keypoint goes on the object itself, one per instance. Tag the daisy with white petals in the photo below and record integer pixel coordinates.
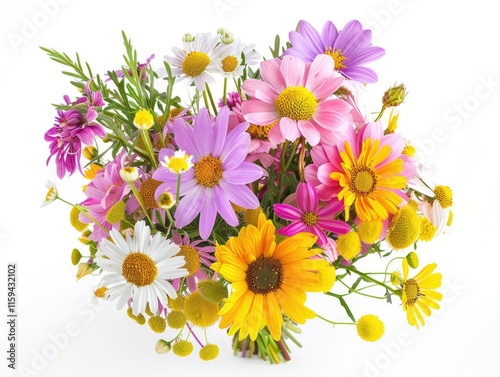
(194, 61)
(139, 268)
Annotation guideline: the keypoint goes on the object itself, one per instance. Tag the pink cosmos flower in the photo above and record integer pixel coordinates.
(205, 255)
(220, 174)
(103, 192)
(296, 94)
(309, 216)
(350, 49)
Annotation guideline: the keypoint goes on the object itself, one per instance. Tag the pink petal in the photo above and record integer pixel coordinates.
(293, 70)
(258, 112)
(289, 129)
(271, 73)
(307, 198)
(287, 212)
(310, 132)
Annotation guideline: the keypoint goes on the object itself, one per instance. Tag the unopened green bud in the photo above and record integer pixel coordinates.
(227, 38)
(75, 256)
(162, 346)
(394, 96)
(412, 259)
(187, 37)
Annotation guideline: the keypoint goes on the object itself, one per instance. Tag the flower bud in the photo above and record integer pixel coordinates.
(84, 269)
(227, 38)
(90, 152)
(394, 96)
(162, 346)
(187, 37)
(129, 173)
(75, 256)
(143, 120)
(412, 259)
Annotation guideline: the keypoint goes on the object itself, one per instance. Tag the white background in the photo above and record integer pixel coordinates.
(445, 52)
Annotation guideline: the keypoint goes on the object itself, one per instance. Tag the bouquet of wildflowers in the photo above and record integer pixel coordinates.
(222, 186)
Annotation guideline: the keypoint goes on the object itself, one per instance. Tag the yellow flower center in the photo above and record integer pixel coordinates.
(166, 200)
(194, 63)
(147, 192)
(229, 64)
(404, 228)
(157, 324)
(209, 352)
(370, 231)
(176, 303)
(191, 257)
(349, 245)
(182, 348)
(116, 213)
(264, 275)
(178, 164)
(363, 181)
(176, 319)
(412, 291)
(139, 269)
(337, 57)
(143, 119)
(370, 328)
(51, 194)
(100, 292)
(74, 219)
(297, 103)
(444, 196)
(260, 132)
(208, 171)
(427, 229)
(200, 311)
(310, 218)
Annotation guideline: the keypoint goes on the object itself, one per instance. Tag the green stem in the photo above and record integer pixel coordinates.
(380, 114)
(211, 98)
(149, 147)
(141, 203)
(334, 323)
(369, 278)
(224, 92)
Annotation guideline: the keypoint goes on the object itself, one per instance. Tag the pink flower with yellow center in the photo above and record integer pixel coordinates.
(296, 94)
(367, 171)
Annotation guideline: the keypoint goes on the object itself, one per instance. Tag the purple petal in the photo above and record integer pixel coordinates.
(240, 195)
(189, 207)
(247, 172)
(203, 132)
(224, 207)
(220, 130)
(208, 214)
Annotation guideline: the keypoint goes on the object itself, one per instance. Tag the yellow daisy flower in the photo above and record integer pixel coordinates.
(269, 279)
(419, 293)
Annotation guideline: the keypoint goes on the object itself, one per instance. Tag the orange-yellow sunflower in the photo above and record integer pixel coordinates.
(419, 293)
(269, 279)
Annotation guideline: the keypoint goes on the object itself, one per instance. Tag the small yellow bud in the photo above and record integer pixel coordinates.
(84, 269)
(90, 152)
(129, 173)
(143, 120)
(370, 328)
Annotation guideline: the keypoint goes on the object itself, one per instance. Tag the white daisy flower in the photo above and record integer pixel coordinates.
(230, 58)
(438, 200)
(51, 193)
(139, 268)
(194, 62)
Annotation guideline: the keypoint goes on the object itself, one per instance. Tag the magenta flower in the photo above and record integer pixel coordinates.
(73, 128)
(220, 175)
(309, 216)
(350, 49)
(103, 192)
(295, 94)
(141, 70)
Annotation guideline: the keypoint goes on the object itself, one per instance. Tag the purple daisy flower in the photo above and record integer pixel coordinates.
(309, 217)
(220, 175)
(351, 48)
(73, 128)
